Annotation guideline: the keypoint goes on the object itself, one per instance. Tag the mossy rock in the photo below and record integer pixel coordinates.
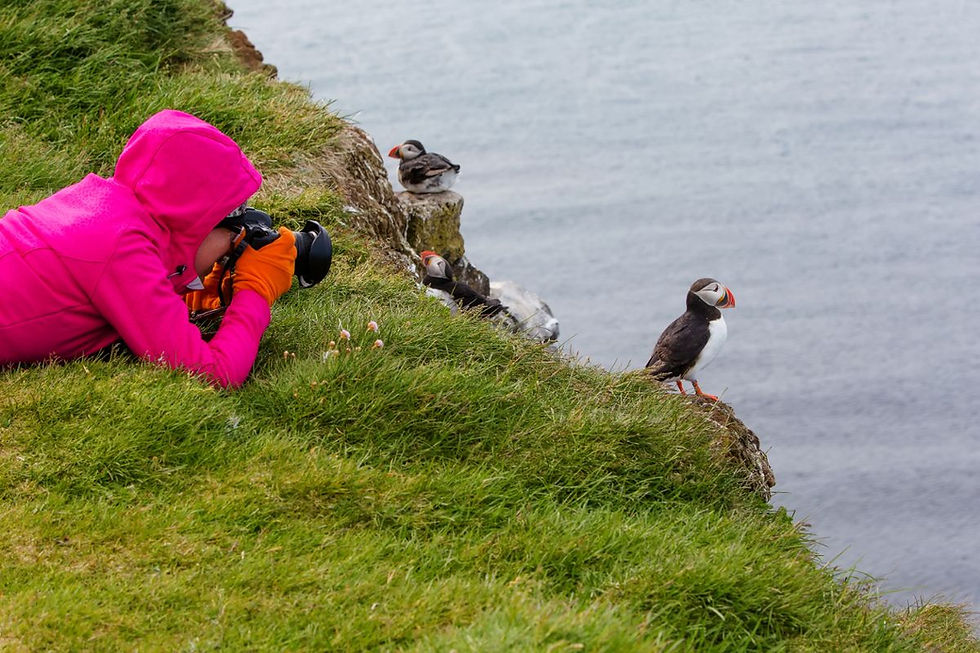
(433, 222)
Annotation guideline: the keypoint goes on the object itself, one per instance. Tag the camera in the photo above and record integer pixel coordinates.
(314, 249)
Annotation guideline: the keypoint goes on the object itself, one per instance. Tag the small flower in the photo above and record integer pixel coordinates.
(331, 345)
(285, 355)
(372, 326)
(378, 344)
(330, 352)
(344, 334)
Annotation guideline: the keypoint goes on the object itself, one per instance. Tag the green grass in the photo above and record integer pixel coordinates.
(78, 76)
(455, 490)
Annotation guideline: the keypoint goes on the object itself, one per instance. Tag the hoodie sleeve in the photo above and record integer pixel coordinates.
(138, 301)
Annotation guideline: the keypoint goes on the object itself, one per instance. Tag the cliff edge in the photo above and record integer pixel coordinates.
(402, 224)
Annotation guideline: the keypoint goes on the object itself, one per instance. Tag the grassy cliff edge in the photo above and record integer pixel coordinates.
(456, 489)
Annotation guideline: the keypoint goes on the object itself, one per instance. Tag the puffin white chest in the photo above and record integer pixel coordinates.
(717, 334)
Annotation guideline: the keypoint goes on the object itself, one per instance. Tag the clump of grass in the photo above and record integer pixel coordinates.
(941, 627)
(455, 489)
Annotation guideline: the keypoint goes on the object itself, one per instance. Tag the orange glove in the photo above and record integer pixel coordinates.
(268, 271)
(206, 299)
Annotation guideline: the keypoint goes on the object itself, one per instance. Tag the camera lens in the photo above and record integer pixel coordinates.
(314, 251)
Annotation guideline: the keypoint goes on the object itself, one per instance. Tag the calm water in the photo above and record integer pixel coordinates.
(822, 159)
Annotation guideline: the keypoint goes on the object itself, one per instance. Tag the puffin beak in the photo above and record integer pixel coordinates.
(729, 299)
(395, 154)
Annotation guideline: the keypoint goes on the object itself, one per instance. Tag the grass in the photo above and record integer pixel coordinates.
(455, 490)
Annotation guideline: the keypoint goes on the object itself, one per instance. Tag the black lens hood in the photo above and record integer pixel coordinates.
(314, 252)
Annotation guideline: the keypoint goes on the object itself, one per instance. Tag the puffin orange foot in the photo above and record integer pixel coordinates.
(699, 392)
(680, 387)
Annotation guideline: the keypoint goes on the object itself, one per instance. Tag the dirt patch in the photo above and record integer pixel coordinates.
(243, 48)
(248, 54)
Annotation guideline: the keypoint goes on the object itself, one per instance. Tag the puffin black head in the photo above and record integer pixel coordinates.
(712, 293)
(407, 150)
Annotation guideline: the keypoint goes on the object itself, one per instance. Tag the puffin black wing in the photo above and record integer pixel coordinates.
(417, 170)
(444, 163)
(678, 347)
(469, 298)
(465, 296)
(490, 307)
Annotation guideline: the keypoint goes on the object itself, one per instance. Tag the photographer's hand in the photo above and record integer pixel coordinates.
(207, 298)
(269, 270)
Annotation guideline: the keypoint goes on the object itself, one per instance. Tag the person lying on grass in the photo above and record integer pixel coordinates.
(116, 259)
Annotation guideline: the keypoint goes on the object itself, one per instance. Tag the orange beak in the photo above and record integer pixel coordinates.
(395, 153)
(729, 299)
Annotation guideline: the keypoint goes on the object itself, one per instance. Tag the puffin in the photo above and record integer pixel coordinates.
(439, 275)
(421, 171)
(693, 340)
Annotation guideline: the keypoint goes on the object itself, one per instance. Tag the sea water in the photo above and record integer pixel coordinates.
(821, 159)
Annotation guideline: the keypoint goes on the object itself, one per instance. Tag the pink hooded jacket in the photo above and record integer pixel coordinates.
(106, 259)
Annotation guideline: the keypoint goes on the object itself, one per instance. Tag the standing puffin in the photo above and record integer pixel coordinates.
(693, 340)
(439, 275)
(421, 171)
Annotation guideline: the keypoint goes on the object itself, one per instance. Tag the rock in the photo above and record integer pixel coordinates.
(433, 222)
(243, 48)
(249, 55)
(466, 272)
(359, 174)
(740, 445)
(533, 317)
(363, 181)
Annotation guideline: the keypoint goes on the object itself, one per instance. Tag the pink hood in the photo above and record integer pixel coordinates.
(188, 176)
(105, 259)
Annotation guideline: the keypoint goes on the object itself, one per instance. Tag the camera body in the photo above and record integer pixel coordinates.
(314, 250)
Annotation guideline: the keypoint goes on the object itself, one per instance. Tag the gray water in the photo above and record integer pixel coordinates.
(821, 159)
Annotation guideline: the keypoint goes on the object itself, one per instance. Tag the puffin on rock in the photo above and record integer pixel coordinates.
(421, 171)
(693, 340)
(439, 275)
